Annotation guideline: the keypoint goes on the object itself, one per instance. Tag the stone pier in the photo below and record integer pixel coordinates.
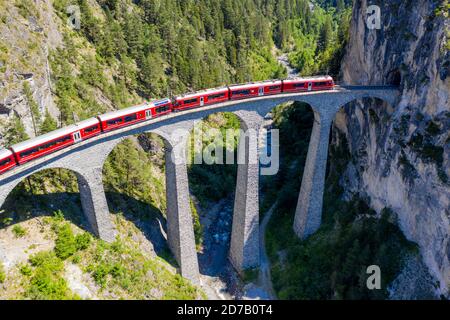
(180, 229)
(94, 204)
(308, 214)
(244, 246)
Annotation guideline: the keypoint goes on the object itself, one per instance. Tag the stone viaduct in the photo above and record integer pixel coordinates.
(87, 158)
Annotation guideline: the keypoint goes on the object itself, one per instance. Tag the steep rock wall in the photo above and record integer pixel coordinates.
(401, 154)
(26, 37)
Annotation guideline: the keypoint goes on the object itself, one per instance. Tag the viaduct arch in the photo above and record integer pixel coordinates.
(87, 158)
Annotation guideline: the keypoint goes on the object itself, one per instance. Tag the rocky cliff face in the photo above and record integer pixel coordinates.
(28, 31)
(401, 153)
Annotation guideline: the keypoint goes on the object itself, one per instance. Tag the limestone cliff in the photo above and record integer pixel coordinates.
(401, 154)
(27, 34)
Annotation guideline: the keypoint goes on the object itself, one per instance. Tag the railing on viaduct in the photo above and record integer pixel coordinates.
(87, 158)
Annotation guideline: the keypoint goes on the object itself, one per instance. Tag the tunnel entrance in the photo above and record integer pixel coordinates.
(395, 78)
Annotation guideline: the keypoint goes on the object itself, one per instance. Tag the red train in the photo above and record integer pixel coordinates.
(40, 146)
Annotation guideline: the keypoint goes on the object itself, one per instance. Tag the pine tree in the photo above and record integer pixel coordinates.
(49, 124)
(15, 131)
(340, 6)
(326, 34)
(33, 107)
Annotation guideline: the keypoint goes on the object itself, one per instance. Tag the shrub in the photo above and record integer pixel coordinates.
(2, 273)
(58, 215)
(66, 244)
(82, 241)
(433, 129)
(99, 273)
(26, 270)
(250, 275)
(19, 231)
(26, 8)
(47, 281)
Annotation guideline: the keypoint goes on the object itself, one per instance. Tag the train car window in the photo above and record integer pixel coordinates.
(299, 85)
(216, 96)
(45, 146)
(62, 140)
(162, 109)
(241, 92)
(274, 87)
(130, 118)
(90, 129)
(190, 101)
(29, 152)
(320, 84)
(114, 121)
(5, 162)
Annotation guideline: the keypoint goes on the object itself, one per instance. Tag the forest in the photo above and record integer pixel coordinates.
(126, 52)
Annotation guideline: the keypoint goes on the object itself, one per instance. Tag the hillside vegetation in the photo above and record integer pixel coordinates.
(332, 263)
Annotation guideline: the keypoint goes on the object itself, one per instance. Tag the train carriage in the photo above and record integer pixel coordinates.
(161, 107)
(128, 116)
(87, 129)
(201, 98)
(125, 117)
(55, 140)
(45, 144)
(255, 89)
(7, 160)
(308, 84)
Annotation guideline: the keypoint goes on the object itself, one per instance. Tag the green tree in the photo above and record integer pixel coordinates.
(33, 107)
(15, 131)
(49, 124)
(340, 6)
(326, 34)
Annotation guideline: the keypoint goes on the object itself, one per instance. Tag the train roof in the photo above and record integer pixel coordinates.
(309, 78)
(5, 153)
(54, 134)
(202, 92)
(124, 112)
(254, 84)
(160, 102)
(86, 123)
(44, 138)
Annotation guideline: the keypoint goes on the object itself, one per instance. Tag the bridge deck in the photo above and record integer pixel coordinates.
(284, 97)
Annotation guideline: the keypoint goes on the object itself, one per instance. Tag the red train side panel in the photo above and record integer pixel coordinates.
(308, 84)
(161, 107)
(7, 160)
(296, 85)
(125, 117)
(200, 99)
(43, 145)
(255, 89)
(274, 87)
(325, 83)
(56, 140)
(89, 128)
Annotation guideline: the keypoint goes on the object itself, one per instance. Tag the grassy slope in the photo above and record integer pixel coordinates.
(121, 270)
